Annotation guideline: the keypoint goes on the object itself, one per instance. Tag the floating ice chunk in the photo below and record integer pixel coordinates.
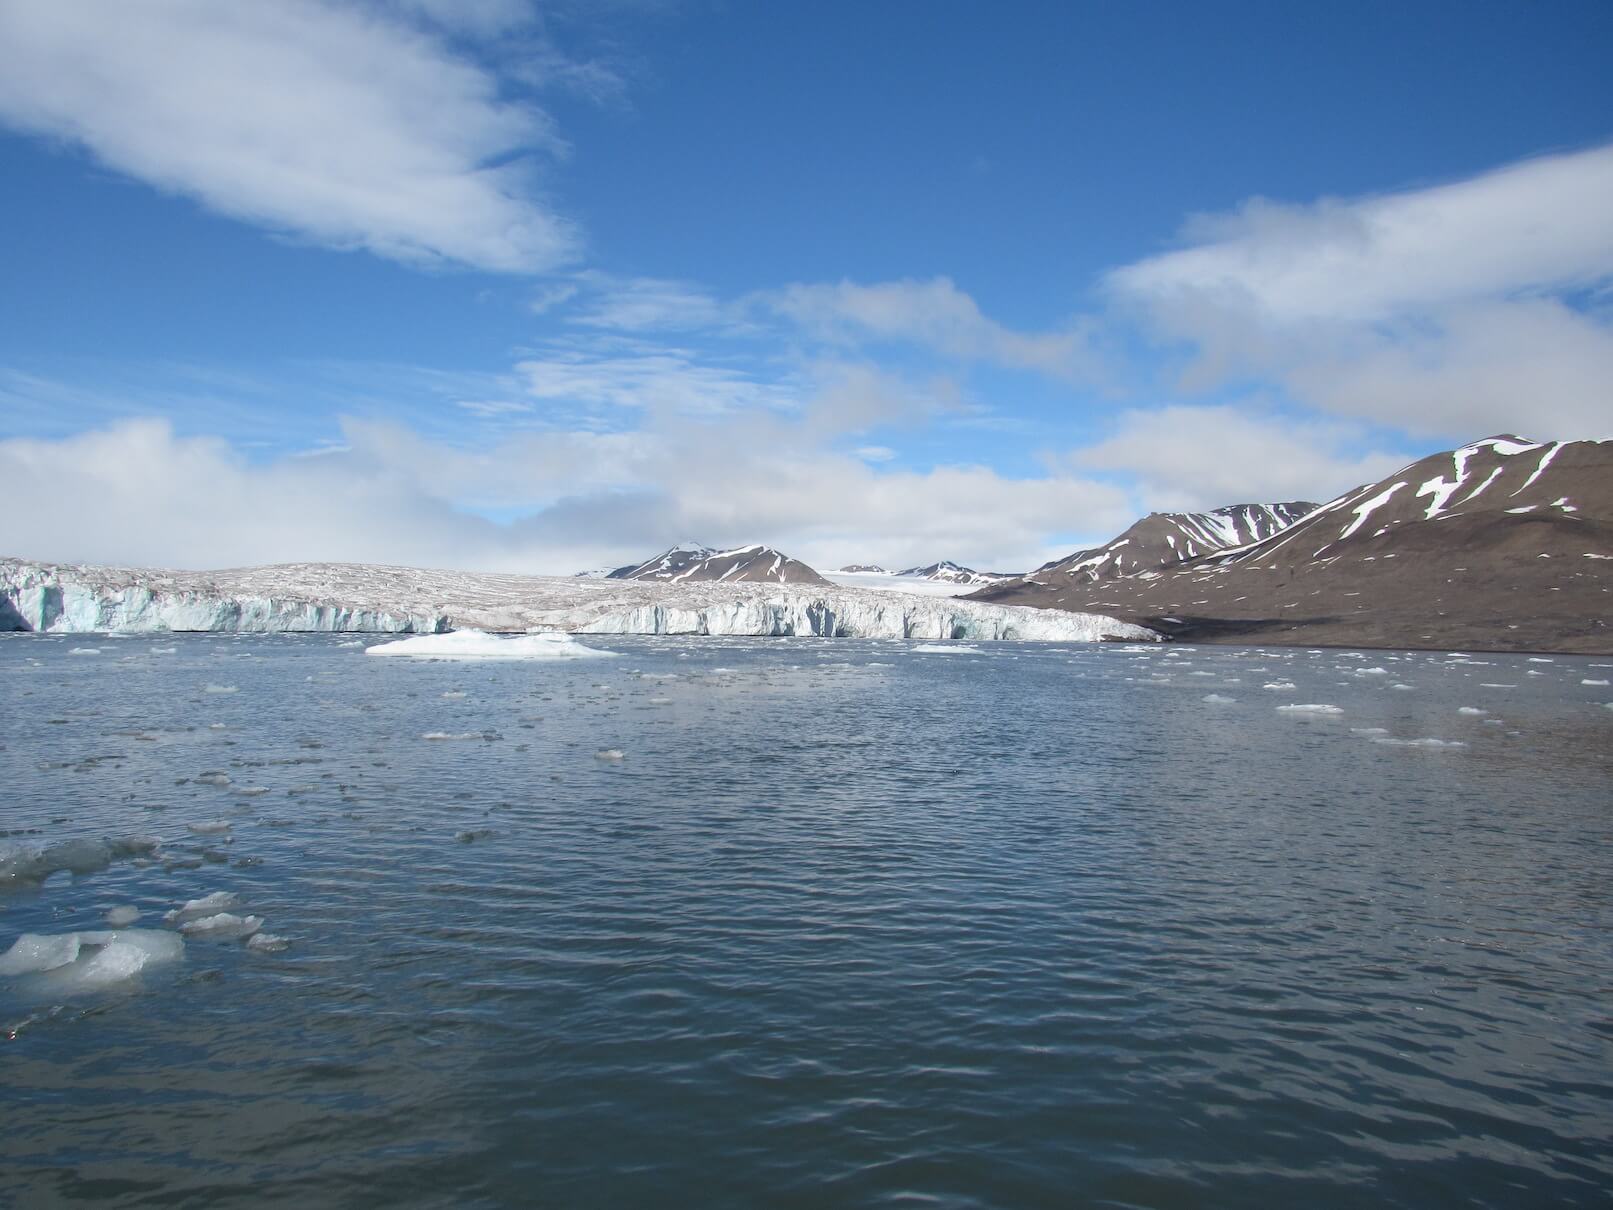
(441, 735)
(97, 960)
(77, 856)
(1369, 731)
(34, 952)
(1591, 681)
(1469, 710)
(609, 754)
(1399, 685)
(1429, 743)
(224, 926)
(1216, 699)
(454, 694)
(267, 943)
(122, 916)
(479, 645)
(84, 651)
(165, 651)
(212, 779)
(211, 688)
(1280, 686)
(209, 827)
(947, 649)
(1371, 672)
(207, 905)
(1311, 708)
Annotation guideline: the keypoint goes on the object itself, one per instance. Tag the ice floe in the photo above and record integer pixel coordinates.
(69, 963)
(1216, 699)
(222, 926)
(946, 649)
(122, 916)
(479, 645)
(1311, 708)
(27, 865)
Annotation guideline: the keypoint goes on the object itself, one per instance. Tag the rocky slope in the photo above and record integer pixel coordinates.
(353, 597)
(1504, 544)
(1161, 539)
(744, 564)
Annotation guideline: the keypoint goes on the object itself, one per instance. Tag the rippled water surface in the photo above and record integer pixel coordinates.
(847, 924)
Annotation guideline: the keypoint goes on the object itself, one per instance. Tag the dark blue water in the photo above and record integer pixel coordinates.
(847, 925)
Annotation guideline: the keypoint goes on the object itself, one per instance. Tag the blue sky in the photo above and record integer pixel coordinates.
(544, 287)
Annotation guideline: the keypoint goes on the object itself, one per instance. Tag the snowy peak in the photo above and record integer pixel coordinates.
(863, 569)
(1484, 489)
(948, 572)
(688, 562)
(1162, 539)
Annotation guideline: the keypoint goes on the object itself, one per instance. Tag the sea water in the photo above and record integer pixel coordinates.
(807, 923)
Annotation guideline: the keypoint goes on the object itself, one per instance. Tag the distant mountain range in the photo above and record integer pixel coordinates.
(945, 572)
(746, 564)
(1504, 544)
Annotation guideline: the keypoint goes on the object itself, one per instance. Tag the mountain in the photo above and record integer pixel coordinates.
(948, 572)
(1504, 545)
(745, 563)
(1160, 539)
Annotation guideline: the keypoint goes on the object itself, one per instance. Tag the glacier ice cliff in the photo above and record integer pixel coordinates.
(400, 600)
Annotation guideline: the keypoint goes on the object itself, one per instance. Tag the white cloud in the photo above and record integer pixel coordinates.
(339, 124)
(935, 315)
(136, 493)
(1187, 458)
(640, 304)
(649, 377)
(1458, 309)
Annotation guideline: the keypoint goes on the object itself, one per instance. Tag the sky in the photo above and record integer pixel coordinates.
(515, 286)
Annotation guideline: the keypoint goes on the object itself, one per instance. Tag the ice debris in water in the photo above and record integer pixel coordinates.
(209, 827)
(267, 943)
(222, 926)
(30, 865)
(65, 963)
(479, 645)
(122, 916)
(84, 651)
(207, 905)
(1468, 710)
(1418, 743)
(1591, 681)
(1280, 686)
(440, 735)
(1311, 708)
(609, 754)
(947, 649)
(1216, 699)
(211, 688)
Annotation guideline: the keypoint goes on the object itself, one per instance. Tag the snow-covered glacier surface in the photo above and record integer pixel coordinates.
(353, 597)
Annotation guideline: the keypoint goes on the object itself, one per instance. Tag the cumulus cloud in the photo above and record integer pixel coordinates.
(345, 125)
(136, 493)
(1457, 309)
(1186, 458)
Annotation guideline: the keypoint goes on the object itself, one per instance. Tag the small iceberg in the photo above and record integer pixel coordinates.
(68, 963)
(479, 645)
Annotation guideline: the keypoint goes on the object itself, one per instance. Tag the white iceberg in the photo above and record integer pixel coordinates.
(479, 645)
(69, 963)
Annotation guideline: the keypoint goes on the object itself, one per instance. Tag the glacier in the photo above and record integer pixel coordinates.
(344, 597)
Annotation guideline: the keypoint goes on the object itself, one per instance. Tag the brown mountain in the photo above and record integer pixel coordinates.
(1160, 539)
(1501, 545)
(744, 563)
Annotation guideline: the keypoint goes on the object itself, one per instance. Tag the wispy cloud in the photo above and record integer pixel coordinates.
(1456, 309)
(345, 125)
(936, 315)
